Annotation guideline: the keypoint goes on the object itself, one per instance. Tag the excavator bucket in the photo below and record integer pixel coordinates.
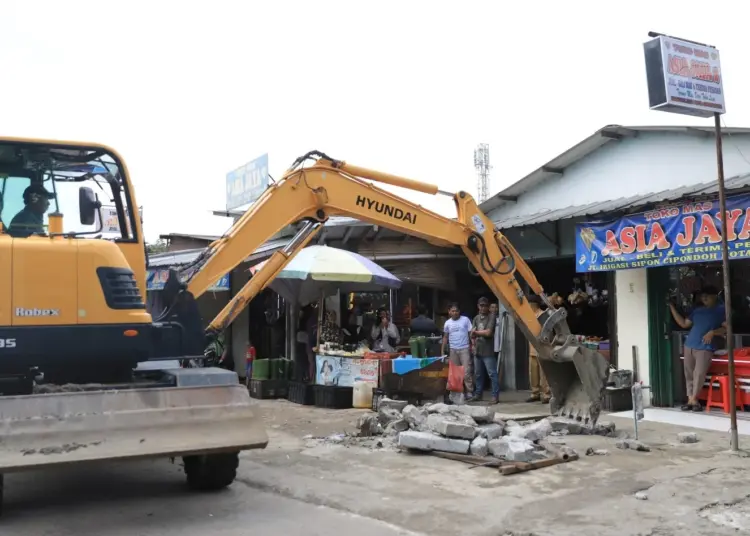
(70, 427)
(577, 377)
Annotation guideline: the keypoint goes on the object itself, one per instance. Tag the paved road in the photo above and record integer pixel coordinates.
(150, 499)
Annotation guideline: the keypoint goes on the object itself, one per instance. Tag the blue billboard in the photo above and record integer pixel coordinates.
(246, 183)
(678, 234)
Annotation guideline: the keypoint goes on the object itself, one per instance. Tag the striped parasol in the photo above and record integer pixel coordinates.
(323, 269)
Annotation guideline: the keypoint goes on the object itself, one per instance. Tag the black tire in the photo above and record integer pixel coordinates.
(211, 472)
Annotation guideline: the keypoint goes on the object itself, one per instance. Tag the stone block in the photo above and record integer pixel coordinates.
(427, 441)
(448, 426)
(479, 447)
(515, 449)
(490, 431)
(368, 425)
(687, 437)
(398, 405)
(605, 428)
(416, 417)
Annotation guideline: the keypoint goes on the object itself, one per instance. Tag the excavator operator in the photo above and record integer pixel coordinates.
(30, 219)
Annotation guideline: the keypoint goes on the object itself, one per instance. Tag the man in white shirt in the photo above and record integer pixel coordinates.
(456, 335)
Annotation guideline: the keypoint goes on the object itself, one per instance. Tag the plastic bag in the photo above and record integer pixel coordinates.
(455, 378)
(456, 398)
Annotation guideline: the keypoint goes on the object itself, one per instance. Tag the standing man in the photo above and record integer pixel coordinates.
(539, 386)
(705, 323)
(456, 334)
(422, 325)
(483, 333)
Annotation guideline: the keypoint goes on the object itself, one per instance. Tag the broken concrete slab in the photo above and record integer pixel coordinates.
(440, 408)
(480, 447)
(604, 428)
(398, 405)
(427, 441)
(490, 431)
(368, 425)
(566, 426)
(394, 427)
(632, 444)
(481, 414)
(533, 432)
(516, 449)
(416, 417)
(687, 437)
(386, 415)
(591, 451)
(450, 425)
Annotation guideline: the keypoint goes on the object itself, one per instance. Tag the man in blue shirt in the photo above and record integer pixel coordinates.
(705, 323)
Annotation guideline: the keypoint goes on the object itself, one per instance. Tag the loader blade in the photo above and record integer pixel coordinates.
(62, 428)
(577, 377)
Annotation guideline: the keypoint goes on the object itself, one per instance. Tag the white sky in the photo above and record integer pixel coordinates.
(188, 91)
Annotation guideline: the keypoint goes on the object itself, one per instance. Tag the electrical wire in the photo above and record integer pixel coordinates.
(731, 140)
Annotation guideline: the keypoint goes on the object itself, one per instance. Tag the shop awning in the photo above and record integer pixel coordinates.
(155, 280)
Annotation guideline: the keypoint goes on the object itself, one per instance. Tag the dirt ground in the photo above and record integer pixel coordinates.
(680, 489)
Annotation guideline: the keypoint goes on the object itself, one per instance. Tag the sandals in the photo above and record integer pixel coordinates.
(692, 407)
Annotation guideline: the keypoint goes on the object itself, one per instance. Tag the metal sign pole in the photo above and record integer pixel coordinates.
(727, 284)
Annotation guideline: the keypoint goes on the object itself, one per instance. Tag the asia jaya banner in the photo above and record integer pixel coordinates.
(678, 234)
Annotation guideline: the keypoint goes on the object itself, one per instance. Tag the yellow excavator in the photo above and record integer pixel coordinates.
(80, 379)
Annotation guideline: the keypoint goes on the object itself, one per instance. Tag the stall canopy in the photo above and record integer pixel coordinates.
(320, 270)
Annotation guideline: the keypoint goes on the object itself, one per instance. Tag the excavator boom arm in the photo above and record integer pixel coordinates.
(333, 188)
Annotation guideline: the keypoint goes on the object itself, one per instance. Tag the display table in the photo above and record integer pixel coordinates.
(344, 371)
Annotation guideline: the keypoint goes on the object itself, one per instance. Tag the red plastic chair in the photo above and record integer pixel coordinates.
(723, 402)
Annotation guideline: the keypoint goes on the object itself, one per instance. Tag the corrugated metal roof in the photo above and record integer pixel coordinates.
(625, 204)
(186, 256)
(579, 151)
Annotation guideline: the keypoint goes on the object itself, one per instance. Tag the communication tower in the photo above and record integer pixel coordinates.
(483, 167)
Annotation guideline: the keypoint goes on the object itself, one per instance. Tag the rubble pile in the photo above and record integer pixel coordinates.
(463, 429)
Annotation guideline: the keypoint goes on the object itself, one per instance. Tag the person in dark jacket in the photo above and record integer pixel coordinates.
(422, 325)
(30, 220)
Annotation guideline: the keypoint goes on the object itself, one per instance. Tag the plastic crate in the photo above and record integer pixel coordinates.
(617, 399)
(332, 397)
(301, 393)
(265, 389)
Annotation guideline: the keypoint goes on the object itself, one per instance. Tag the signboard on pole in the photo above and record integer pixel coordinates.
(246, 184)
(673, 235)
(110, 222)
(683, 77)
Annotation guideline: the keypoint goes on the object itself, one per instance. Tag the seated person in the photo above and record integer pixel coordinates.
(30, 219)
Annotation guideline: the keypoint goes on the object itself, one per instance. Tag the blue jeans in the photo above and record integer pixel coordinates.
(488, 363)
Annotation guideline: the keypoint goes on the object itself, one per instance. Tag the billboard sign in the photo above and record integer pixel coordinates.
(246, 183)
(672, 235)
(683, 77)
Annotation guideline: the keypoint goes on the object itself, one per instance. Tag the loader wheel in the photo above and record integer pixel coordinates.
(212, 471)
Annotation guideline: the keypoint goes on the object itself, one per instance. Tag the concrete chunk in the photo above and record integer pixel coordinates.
(533, 432)
(480, 447)
(451, 426)
(687, 437)
(427, 442)
(605, 428)
(515, 449)
(632, 444)
(399, 425)
(416, 417)
(386, 415)
(440, 408)
(567, 426)
(481, 414)
(398, 405)
(490, 431)
(368, 425)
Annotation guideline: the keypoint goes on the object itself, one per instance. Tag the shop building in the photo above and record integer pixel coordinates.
(616, 172)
